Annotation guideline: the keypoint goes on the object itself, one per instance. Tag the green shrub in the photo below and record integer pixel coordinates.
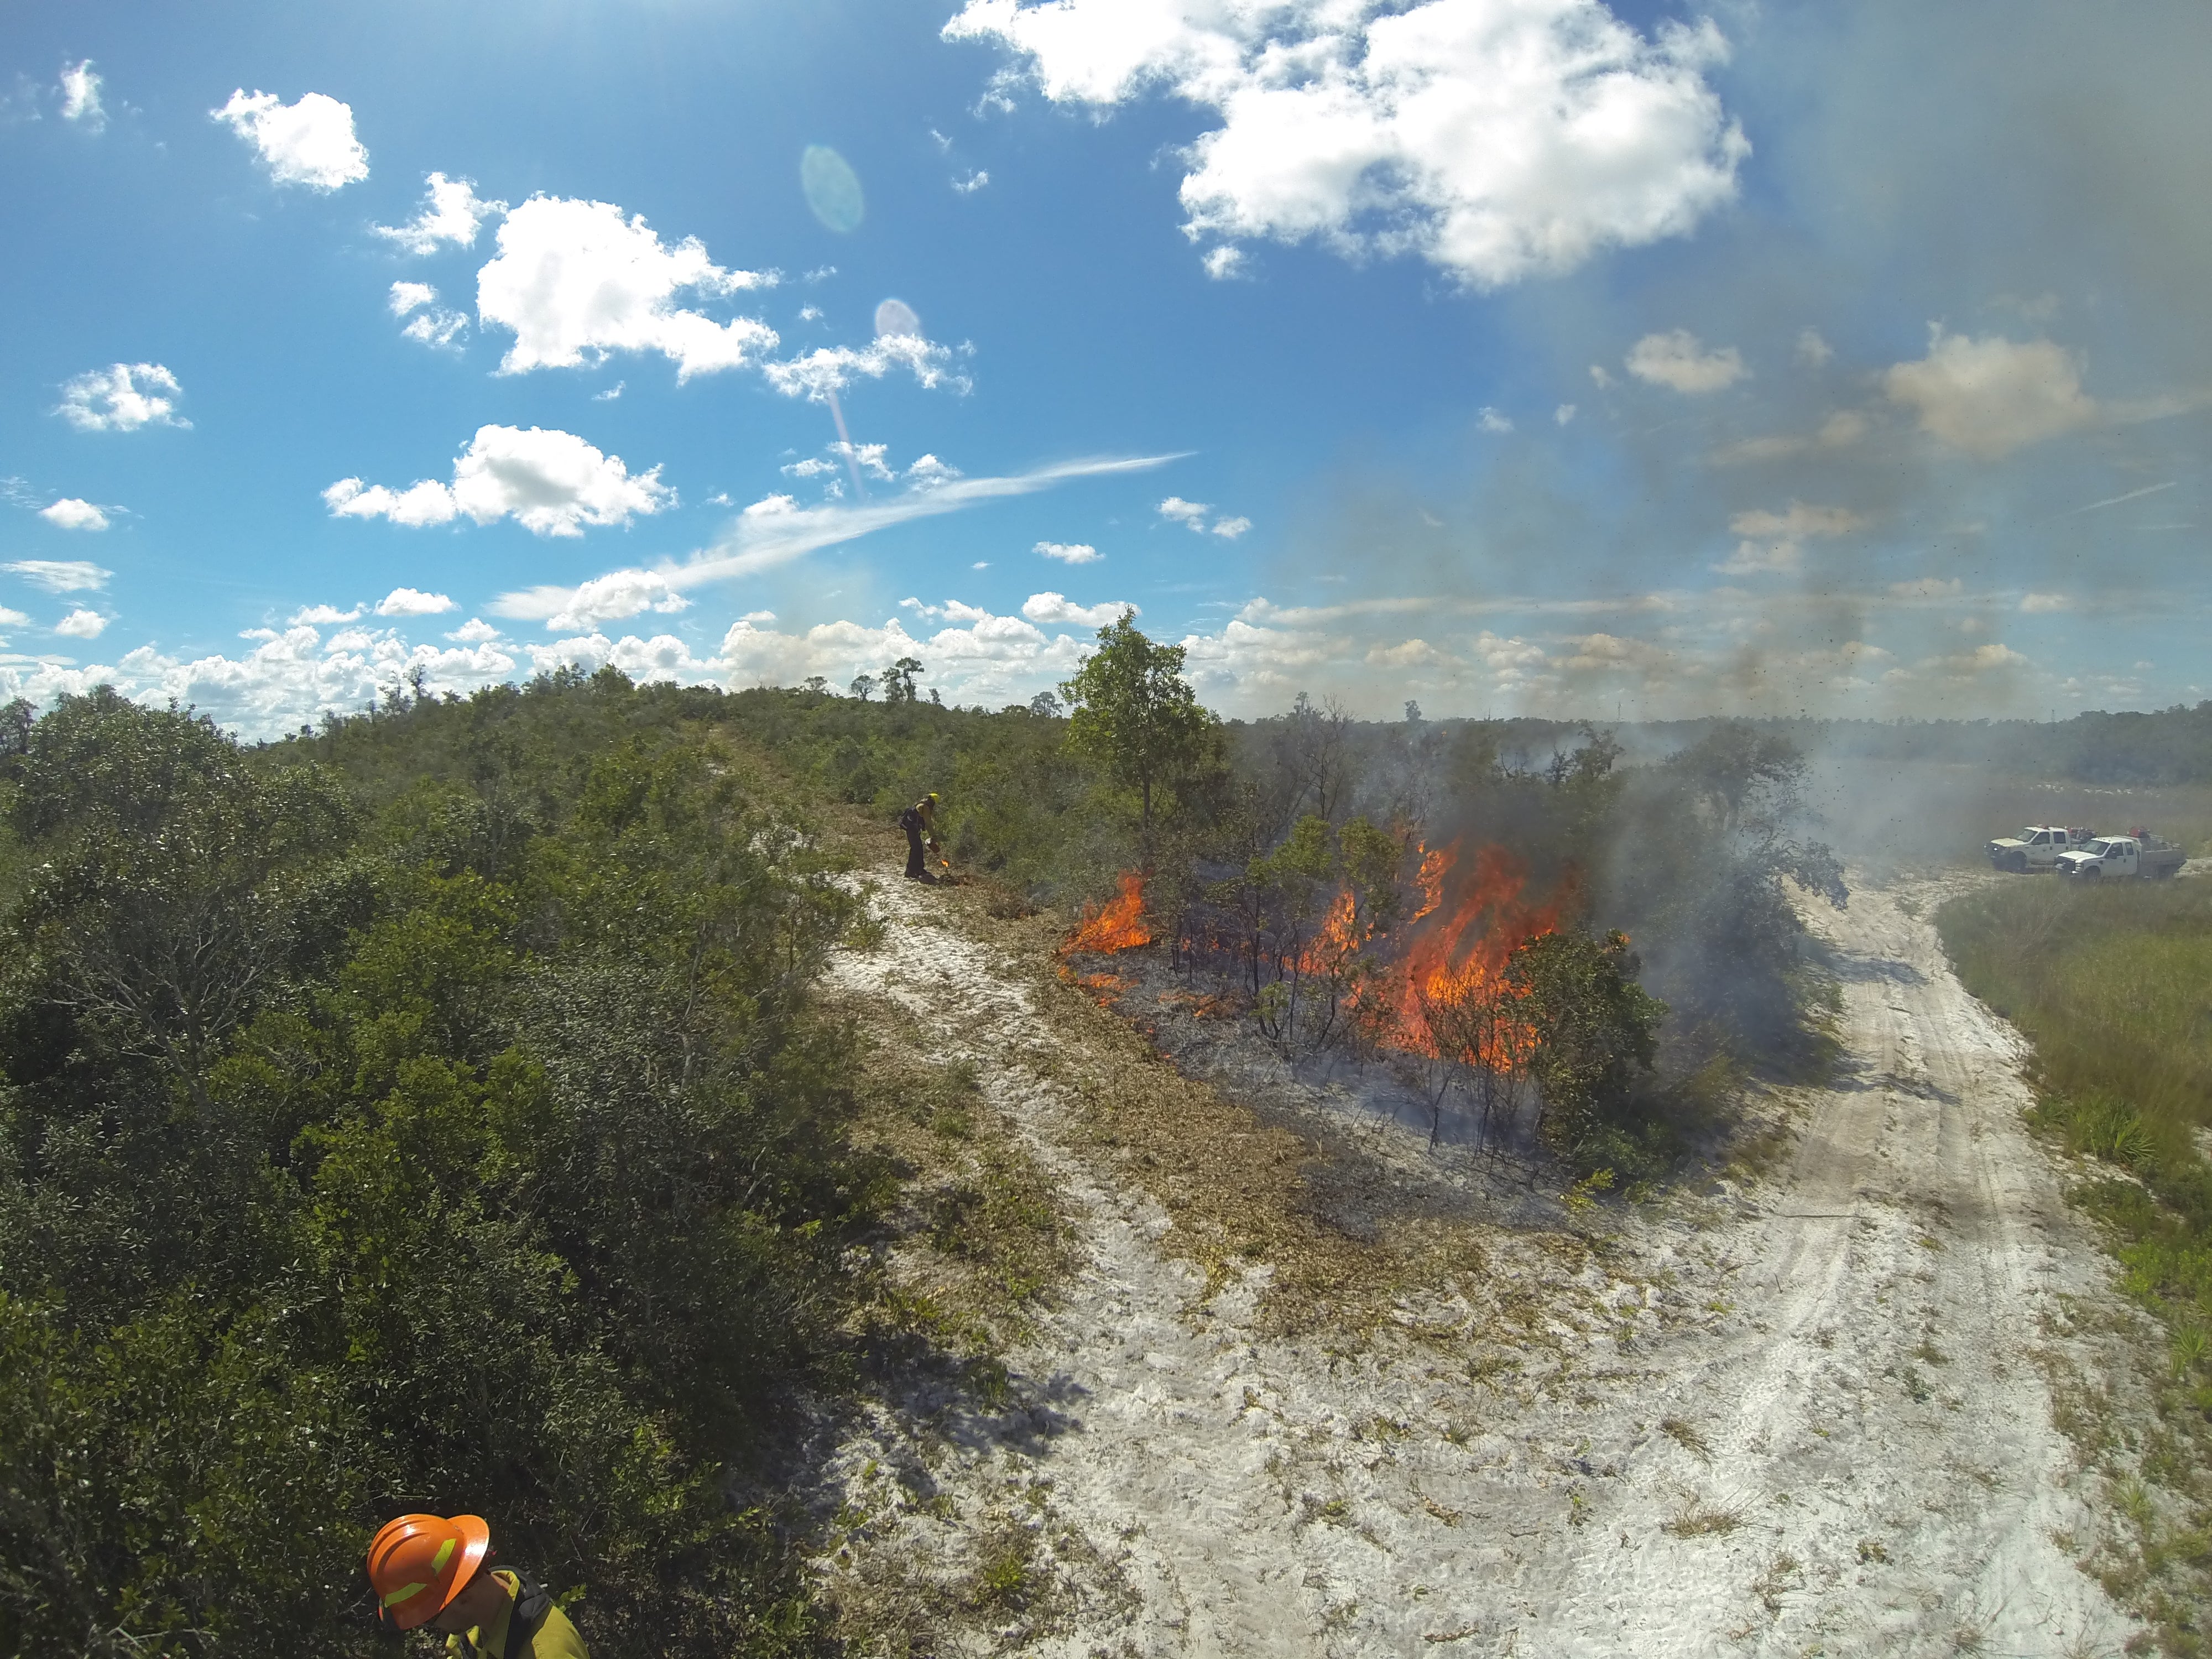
(428, 1113)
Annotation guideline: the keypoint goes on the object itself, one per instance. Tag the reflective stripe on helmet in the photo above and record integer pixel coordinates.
(407, 1592)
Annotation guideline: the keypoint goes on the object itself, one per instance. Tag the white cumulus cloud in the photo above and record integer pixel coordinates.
(1798, 520)
(1192, 516)
(1990, 397)
(551, 483)
(71, 514)
(121, 397)
(1070, 552)
(82, 624)
(1839, 431)
(413, 602)
(450, 212)
(1495, 138)
(1774, 543)
(1677, 359)
(830, 370)
(435, 325)
(867, 458)
(81, 97)
(310, 143)
(1048, 609)
(614, 596)
(437, 328)
(575, 281)
(976, 657)
(59, 575)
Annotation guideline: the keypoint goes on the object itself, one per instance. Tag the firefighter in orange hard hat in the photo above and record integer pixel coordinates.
(433, 1570)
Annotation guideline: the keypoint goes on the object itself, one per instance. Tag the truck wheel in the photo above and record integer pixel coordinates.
(2017, 863)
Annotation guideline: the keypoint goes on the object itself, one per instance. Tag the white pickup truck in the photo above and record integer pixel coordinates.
(2038, 846)
(2138, 854)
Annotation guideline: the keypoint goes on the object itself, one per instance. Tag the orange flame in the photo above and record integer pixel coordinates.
(1454, 999)
(1339, 937)
(1120, 925)
(1434, 867)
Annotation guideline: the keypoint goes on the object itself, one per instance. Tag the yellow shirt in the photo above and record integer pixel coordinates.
(556, 1637)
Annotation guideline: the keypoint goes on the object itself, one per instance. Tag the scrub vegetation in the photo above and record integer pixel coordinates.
(2113, 987)
(430, 1115)
(440, 1107)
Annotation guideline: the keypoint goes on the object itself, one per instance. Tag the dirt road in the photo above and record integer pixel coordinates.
(1807, 1418)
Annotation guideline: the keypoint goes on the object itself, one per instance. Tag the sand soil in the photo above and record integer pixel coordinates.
(1809, 1414)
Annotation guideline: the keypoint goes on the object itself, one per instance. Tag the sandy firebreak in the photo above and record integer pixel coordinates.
(1807, 1414)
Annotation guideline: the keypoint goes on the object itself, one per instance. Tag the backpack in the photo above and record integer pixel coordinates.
(533, 1602)
(911, 820)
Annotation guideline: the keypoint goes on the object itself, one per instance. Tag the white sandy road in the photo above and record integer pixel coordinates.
(1854, 1343)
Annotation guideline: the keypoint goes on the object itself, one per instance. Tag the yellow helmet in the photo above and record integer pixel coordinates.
(933, 798)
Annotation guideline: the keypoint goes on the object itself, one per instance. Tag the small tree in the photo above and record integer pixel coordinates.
(898, 680)
(1746, 779)
(1045, 706)
(864, 686)
(1313, 749)
(1134, 713)
(1593, 1027)
(16, 719)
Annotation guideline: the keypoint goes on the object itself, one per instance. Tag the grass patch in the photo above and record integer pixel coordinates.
(1699, 1518)
(978, 1239)
(2113, 987)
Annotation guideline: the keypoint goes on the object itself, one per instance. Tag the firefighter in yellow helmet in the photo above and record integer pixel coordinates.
(919, 823)
(435, 1571)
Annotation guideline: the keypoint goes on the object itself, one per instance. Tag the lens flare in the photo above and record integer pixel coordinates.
(832, 188)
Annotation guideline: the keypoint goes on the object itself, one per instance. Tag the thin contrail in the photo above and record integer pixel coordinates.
(2148, 490)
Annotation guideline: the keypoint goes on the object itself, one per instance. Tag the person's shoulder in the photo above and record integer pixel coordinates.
(559, 1638)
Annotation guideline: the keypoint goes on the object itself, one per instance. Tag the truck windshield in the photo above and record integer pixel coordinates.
(2100, 848)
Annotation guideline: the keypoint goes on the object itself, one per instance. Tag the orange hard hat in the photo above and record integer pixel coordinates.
(419, 1562)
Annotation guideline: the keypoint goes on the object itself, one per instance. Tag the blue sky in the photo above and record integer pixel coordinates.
(1503, 355)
